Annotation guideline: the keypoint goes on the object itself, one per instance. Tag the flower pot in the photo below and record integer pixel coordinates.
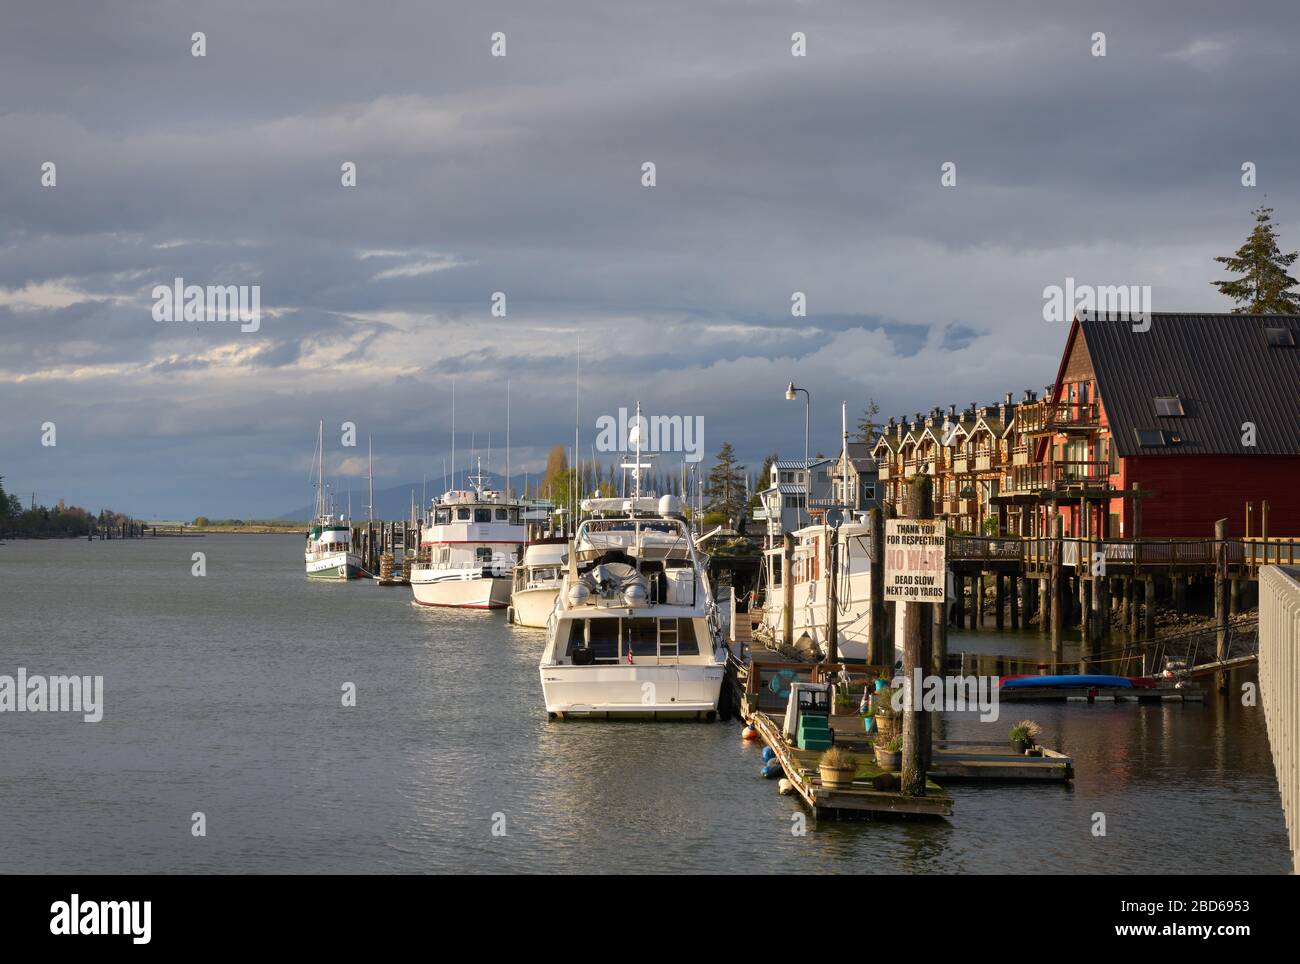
(837, 777)
(1019, 747)
(888, 760)
(885, 727)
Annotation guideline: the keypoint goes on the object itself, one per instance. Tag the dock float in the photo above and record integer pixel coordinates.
(859, 800)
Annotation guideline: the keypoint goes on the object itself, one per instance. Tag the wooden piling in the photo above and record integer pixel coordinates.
(1149, 615)
(787, 588)
(881, 644)
(1056, 590)
(916, 735)
(1000, 600)
(1221, 589)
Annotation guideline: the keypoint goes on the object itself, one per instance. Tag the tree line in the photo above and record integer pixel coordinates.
(43, 522)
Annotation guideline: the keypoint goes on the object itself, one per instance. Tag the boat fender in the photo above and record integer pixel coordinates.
(768, 753)
(772, 771)
(749, 733)
(785, 787)
(510, 615)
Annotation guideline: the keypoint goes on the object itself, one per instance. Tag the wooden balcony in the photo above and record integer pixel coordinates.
(1051, 475)
(1077, 417)
(984, 461)
(959, 464)
(885, 469)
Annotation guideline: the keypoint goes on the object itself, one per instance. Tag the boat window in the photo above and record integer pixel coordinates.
(442, 517)
(502, 515)
(462, 515)
(483, 555)
(514, 517)
(642, 636)
(602, 634)
(482, 515)
(686, 642)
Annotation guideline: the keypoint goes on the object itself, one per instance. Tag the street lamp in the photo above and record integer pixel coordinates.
(790, 394)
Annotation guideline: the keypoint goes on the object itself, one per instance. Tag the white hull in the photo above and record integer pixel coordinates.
(334, 565)
(460, 589)
(533, 607)
(635, 691)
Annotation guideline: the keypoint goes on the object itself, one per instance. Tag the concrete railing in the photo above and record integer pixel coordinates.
(1279, 685)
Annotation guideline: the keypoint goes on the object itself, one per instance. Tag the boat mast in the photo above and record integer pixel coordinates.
(370, 504)
(320, 472)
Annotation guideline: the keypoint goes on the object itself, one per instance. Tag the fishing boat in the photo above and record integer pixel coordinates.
(537, 582)
(468, 555)
(635, 632)
(329, 553)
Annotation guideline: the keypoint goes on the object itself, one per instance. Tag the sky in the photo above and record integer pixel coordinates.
(523, 174)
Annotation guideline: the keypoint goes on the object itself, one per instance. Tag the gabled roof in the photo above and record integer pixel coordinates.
(1221, 366)
(888, 441)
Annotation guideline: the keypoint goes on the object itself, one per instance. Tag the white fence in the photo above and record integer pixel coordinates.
(1279, 683)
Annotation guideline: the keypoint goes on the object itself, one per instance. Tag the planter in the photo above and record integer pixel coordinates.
(1019, 747)
(837, 777)
(887, 760)
(844, 709)
(885, 727)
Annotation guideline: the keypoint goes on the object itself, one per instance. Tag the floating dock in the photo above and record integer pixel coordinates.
(1085, 694)
(761, 688)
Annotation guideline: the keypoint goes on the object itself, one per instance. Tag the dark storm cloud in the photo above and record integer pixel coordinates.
(521, 174)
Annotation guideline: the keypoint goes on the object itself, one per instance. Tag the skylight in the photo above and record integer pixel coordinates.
(1169, 405)
(1280, 337)
(1150, 437)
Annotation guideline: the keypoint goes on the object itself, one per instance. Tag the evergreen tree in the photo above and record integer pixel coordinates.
(1265, 286)
(725, 488)
(868, 425)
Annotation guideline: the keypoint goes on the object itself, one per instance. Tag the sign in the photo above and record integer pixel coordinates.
(915, 560)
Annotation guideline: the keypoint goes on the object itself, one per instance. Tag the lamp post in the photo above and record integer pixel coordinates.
(790, 394)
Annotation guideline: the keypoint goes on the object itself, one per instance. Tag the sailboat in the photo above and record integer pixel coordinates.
(329, 553)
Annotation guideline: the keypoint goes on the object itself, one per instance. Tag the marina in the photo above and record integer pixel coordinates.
(448, 730)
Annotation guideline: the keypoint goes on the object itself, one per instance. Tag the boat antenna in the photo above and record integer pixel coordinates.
(370, 505)
(453, 435)
(507, 486)
(320, 472)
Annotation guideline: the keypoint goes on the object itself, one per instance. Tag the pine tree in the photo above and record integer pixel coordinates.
(725, 488)
(1264, 289)
(868, 426)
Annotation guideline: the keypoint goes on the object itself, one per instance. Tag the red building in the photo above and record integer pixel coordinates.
(1201, 411)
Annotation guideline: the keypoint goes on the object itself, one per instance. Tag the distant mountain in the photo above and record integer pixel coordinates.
(394, 502)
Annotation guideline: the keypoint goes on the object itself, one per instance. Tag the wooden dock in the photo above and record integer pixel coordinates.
(861, 799)
(757, 686)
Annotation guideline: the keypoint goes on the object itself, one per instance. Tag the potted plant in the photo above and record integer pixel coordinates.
(1023, 735)
(885, 715)
(889, 753)
(837, 768)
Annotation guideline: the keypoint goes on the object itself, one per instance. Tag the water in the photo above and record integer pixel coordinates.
(223, 696)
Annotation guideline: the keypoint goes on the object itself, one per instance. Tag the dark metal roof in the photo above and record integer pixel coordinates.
(1222, 368)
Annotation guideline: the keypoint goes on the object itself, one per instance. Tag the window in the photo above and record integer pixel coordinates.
(1280, 337)
(463, 515)
(502, 515)
(483, 555)
(442, 517)
(602, 634)
(482, 515)
(1169, 405)
(1150, 437)
(642, 636)
(686, 643)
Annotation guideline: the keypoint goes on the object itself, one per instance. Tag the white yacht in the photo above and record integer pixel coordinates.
(329, 553)
(635, 631)
(810, 578)
(468, 555)
(538, 579)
